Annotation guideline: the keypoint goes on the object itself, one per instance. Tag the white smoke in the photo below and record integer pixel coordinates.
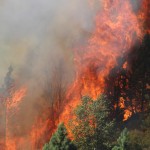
(45, 28)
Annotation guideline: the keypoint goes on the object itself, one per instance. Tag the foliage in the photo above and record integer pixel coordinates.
(136, 139)
(92, 126)
(122, 141)
(140, 139)
(59, 140)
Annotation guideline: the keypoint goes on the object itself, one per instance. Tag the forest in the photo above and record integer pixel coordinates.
(119, 119)
(75, 75)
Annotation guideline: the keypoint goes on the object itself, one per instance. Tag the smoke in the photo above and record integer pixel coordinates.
(35, 37)
(32, 32)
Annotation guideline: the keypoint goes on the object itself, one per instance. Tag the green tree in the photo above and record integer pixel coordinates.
(92, 126)
(59, 140)
(122, 141)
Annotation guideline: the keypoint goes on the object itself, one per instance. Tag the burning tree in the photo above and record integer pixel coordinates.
(103, 65)
(107, 62)
(117, 28)
(10, 99)
(53, 95)
(5, 93)
(54, 90)
(128, 83)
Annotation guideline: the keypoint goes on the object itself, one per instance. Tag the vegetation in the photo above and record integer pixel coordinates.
(96, 123)
(122, 141)
(92, 127)
(59, 140)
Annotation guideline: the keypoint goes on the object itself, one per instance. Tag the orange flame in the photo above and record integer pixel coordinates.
(11, 107)
(16, 98)
(117, 28)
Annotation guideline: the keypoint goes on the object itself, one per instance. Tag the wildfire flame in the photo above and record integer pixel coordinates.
(117, 27)
(12, 104)
(16, 98)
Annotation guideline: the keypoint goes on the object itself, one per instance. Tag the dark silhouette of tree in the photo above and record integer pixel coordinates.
(5, 92)
(54, 90)
(129, 86)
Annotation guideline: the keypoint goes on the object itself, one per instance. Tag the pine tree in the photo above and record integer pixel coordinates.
(92, 126)
(122, 141)
(59, 140)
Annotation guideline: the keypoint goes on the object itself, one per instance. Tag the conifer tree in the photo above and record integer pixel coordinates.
(122, 141)
(92, 126)
(59, 140)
